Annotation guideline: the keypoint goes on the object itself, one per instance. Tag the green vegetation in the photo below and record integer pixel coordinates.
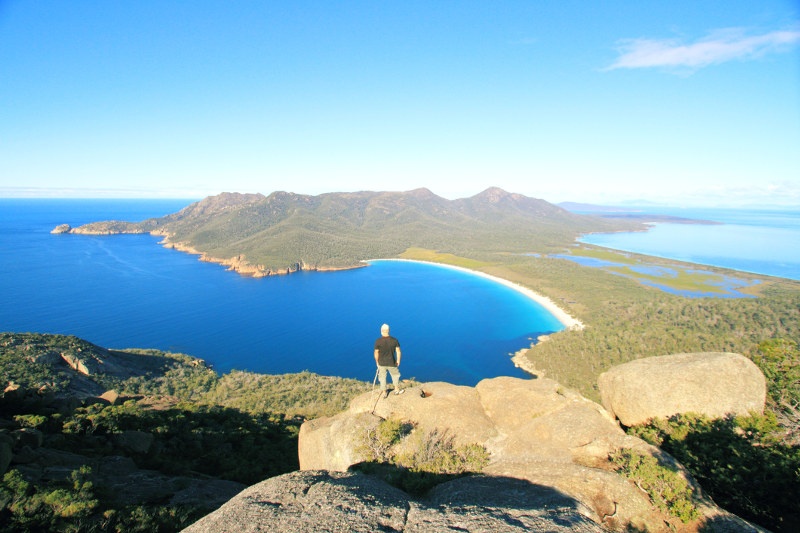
(305, 394)
(188, 438)
(176, 420)
(416, 460)
(741, 463)
(376, 443)
(436, 452)
(187, 442)
(627, 321)
(605, 254)
(342, 229)
(668, 490)
(421, 254)
(156, 373)
(779, 360)
(54, 508)
(749, 466)
(20, 353)
(670, 275)
(72, 507)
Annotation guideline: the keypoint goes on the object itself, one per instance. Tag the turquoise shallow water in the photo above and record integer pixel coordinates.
(127, 291)
(759, 241)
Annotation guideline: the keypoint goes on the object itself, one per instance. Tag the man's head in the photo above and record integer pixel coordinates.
(385, 330)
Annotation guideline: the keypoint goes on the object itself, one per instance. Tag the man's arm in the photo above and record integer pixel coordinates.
(399, 355)
(377, 354)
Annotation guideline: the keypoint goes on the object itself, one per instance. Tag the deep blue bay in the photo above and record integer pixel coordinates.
(126, 291)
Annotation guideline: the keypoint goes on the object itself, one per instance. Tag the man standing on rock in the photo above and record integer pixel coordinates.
(387, 357)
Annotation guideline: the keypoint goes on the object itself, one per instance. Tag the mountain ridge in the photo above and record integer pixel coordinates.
(284, 232)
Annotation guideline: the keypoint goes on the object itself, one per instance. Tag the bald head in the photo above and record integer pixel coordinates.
(385, 330)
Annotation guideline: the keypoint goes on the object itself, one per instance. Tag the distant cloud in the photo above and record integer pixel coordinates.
(718, 47)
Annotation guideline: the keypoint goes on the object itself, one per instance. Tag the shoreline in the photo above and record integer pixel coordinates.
(239, 263)
(568, 321)
(243, 267)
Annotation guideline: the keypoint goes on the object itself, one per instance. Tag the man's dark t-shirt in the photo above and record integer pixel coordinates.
(386, 347)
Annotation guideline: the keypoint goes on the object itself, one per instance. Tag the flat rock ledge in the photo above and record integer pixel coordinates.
(323, 501)
(536, 432)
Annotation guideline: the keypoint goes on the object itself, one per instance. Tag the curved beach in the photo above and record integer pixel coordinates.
(562, 316)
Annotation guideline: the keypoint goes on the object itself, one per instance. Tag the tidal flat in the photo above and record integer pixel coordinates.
(684, 279)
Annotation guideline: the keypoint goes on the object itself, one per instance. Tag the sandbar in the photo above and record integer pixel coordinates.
(562, 316)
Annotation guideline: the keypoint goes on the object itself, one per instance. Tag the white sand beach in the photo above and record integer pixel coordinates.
(562, 316)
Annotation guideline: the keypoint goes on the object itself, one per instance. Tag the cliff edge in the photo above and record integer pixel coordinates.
(549, 466)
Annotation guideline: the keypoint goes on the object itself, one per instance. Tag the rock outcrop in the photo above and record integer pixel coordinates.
(323, 501)
(713, 384)
(534, 430)
(61, 228)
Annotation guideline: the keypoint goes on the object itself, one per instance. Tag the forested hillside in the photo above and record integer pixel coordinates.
(280, 231)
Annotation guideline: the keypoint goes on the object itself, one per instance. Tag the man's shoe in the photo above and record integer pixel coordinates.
(386, 393)
(399, 391)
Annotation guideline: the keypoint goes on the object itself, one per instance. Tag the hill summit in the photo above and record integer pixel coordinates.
(541, 457)
(284, 232)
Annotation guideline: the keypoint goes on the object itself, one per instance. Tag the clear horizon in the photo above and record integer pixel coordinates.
(682, 103)
(624, 204)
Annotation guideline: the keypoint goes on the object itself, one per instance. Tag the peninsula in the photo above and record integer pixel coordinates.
(258, 235)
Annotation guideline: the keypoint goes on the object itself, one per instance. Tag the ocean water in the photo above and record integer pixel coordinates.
(760, 241)
(125, 291)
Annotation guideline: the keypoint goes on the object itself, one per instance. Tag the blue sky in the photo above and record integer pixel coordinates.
(682, 102)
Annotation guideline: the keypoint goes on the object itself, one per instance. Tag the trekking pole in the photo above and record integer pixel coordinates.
(375, 379)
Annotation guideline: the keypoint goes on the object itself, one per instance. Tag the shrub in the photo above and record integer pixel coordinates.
(416, 460)
(377, 442)
(740, 461)
(54, 508)
(30, 421)
(435, 452)
(779, 360)
(667, 489)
